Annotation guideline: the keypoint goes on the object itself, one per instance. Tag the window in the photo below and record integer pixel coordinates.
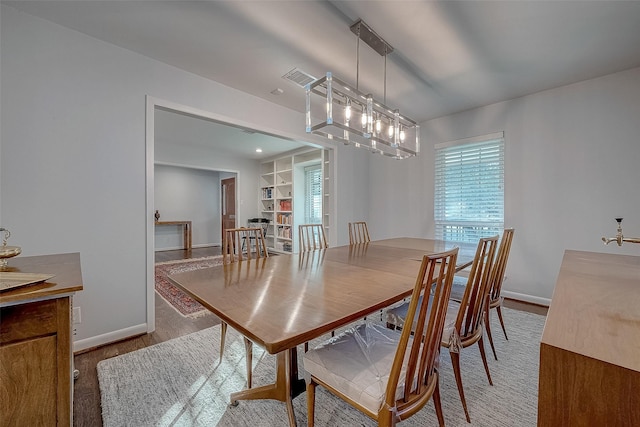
(313, 195)
(469, 188)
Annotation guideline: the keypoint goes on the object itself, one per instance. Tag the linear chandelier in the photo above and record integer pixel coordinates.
(353, 117)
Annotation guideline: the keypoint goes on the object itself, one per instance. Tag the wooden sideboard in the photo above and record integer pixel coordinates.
(36, 356)
(590, 348)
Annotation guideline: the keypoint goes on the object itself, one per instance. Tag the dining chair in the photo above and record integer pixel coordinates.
(464, 323)
(495, 285)
(358, 232)
(386, 374)
(495, 299)
(312, 237)
(242, 244)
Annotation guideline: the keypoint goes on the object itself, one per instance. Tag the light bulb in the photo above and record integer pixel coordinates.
(347, 112)
(401, 135)
(378, 125)
(390, 131)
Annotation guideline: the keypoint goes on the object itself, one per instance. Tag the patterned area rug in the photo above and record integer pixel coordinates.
(182, 382)
(179, 300)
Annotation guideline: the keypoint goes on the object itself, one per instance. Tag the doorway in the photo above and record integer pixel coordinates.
(228, 207)
(159, 150)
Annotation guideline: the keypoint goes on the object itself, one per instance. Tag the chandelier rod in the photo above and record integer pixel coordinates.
(358, 60)
(384, 100)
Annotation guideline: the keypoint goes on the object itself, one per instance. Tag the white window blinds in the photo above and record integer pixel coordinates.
(313, 195)
(469, 188)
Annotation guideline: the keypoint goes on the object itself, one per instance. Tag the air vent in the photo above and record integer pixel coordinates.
(299, 77)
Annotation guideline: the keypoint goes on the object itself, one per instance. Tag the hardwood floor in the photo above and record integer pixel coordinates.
(169, 325)
(163, 256)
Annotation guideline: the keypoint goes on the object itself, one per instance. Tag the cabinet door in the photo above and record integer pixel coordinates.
(28, 382)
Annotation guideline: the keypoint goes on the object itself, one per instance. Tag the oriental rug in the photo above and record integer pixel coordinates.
(178, 299)
(182, 382)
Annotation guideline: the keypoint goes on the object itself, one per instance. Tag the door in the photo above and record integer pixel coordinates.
(228, 191)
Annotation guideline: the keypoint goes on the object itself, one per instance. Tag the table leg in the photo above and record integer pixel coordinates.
(187, 235)
(286, 387)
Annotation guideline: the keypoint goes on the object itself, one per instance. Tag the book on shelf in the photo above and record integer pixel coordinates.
(285, 205)
(283, 218)
(284, 232)
(267, 192)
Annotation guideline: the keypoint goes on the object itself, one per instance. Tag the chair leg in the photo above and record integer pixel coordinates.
(248, 346)
(223, 335)
(306, 347)
(438, 403)
(311, 402)
(499, 310)
(487, 327)
(455, 362)
(484, 360)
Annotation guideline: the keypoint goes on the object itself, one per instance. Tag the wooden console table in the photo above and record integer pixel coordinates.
(186, 225)
(590, 348)
(36, 356)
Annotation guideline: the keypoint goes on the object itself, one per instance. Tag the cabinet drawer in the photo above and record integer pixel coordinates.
(27, 321)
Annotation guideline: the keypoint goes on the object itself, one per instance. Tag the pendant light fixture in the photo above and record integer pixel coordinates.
(353, 117)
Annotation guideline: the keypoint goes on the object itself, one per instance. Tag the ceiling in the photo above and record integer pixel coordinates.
(449, 56)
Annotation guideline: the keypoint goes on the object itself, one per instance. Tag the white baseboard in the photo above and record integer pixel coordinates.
(526, 298)
(178, 248)
(110, 337)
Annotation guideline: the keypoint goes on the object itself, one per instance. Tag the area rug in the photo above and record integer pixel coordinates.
(182, 382)
(179, 300)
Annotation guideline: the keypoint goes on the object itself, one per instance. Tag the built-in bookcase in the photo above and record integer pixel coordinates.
(282, 196)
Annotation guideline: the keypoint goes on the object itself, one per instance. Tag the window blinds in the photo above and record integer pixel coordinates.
(469, 188)
(313, 195)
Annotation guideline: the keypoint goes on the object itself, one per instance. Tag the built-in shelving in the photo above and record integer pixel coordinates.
(282, 195)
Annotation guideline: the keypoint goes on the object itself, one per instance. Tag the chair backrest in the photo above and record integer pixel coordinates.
(436, 272)
(241, 243)
(312, 237)
(358, 232)
(469, 319)
(500, 264)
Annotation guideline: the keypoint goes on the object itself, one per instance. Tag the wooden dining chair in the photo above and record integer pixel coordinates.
(465, 319)
(495, 299)
(397, 373)
(242, 244)
(495, 286)
(312, 237)
(464, 323)
(358, 232)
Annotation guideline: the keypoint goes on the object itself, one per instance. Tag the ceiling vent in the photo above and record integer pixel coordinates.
(299, 77)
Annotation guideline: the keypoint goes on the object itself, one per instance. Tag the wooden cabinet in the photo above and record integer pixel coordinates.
(282, 195)
(590, 348)
(36, 357)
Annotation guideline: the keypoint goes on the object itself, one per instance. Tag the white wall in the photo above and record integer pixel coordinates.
(73, 172)
(187, 194)
(572, 157)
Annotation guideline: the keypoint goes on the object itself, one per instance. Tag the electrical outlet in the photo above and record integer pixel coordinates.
(77, 315)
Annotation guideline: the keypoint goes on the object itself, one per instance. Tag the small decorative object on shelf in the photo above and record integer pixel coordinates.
(157, 215)
(7, 251)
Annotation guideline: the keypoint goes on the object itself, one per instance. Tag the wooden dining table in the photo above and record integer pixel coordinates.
(283, 301)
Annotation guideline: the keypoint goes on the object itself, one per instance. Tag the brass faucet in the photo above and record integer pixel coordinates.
(619, 237)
